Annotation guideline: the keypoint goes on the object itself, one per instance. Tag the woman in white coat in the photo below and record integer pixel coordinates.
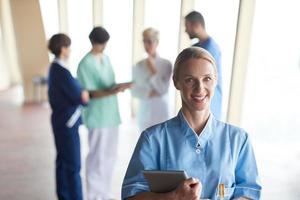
(151, 78)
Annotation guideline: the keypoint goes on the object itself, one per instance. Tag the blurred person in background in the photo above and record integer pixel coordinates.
(101, 116)
(151, 78)
(65, 98)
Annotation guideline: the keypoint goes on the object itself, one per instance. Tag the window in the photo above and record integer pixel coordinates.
(271, 111)
(117, 19)
(49, 11)
(165, 17)
(80, 19)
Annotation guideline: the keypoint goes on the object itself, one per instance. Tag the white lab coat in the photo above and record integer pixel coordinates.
(152, 110)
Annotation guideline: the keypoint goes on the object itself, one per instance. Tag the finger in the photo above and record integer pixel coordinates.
(191, 181)
(195, 187)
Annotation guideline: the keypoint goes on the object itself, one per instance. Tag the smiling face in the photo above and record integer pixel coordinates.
(196, 81)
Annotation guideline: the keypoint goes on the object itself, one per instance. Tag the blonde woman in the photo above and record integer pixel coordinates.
(151, 78)
(217, 156)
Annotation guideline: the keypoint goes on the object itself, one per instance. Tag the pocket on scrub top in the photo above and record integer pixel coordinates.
(228, 193)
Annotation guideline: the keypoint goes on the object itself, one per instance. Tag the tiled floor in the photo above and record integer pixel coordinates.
(27, 155)
(27, 151)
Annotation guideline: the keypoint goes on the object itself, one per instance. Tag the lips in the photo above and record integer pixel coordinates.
(199, 98)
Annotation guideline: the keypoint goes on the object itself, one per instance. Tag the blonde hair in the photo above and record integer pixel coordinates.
(151, 33)
(192, 53)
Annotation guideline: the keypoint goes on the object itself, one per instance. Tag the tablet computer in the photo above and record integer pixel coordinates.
(164, 181)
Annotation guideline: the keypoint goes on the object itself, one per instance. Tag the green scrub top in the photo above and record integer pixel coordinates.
(97, 74)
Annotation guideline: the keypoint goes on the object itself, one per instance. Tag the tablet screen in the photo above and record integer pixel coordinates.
(164, 181)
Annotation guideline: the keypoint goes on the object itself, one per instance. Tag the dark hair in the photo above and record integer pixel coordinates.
(57, 42)
(99, 35)
(195, 16)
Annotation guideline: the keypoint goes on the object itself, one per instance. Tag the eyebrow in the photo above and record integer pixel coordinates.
(185, 75)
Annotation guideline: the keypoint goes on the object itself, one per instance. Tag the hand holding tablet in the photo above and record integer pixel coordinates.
(176, 182)
(164, 181)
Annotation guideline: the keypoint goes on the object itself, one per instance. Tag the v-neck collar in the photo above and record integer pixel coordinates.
(188, 132)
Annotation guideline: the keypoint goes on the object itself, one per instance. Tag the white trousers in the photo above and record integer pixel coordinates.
(100, 161)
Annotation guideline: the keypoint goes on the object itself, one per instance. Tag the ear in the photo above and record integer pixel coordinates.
(176, 84)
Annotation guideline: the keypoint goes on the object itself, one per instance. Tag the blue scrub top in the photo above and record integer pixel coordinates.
(64, 94)
(221, 154)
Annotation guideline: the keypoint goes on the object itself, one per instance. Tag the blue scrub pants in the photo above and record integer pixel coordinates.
(68, 163)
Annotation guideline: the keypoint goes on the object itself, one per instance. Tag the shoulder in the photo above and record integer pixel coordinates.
(212, 45)
(87, 60)
(165, 62)
(59, 74)
(55, 66)
(234, 133)
(141, 63)
(158, 131)
(57, 69)
(105, 57)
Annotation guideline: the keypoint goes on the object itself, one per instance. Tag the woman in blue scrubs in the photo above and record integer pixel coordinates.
(65, 98)
(213, 153)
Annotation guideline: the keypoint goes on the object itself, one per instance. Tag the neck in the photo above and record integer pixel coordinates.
(95, 52)
(196, 119)
(203, 36)
(153, 55)
(61, 57)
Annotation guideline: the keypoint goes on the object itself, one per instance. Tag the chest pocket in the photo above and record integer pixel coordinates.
(228, 193)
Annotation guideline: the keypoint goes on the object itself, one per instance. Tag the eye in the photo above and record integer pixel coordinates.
(189, 80)
(208, 78)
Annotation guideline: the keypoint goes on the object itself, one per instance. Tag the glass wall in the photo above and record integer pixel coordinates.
(49, 10)
(221, 21)
(271, 111)
(165, 17)
(80, 19)
(117, 19)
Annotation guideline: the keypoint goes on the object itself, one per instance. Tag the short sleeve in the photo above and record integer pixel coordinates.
(247, 180)
(142, 159)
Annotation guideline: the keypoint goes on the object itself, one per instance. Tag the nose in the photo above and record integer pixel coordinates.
(198, 87)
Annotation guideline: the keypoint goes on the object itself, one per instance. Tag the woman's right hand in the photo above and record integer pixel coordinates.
(120, 87)
(189, 189)
(85, 96)
(116, 89)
